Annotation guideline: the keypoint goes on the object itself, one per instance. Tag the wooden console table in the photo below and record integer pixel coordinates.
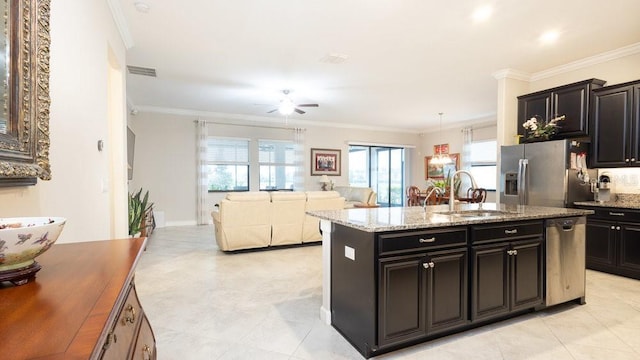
(81, 305)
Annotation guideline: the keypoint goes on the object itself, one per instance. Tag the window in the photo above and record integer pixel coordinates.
(359, 166)
(381, 168)
(483, 160)
(227, 165)
(277, 164)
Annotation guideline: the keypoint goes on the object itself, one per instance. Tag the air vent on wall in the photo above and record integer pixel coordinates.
(139, 70)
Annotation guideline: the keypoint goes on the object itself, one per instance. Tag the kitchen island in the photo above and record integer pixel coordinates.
(393, 277)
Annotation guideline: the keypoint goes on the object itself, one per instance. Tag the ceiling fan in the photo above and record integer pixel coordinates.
(287, 106)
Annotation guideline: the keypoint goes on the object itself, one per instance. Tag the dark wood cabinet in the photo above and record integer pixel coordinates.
(422, 294)
(82, 305)
(616, 126)
(613, 241)
(402, 310)
(507, 269)
(447, 290)
(601, 244)
(572, 100)
(396, 288)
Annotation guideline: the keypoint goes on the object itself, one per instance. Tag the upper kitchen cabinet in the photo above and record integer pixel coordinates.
(572, 100)
(616, 125)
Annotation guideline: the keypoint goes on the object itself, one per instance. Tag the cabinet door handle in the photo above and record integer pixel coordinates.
(633, 159)
(617, 227)
(429, 240)
(613, 227)
(146, 352)
(511, 232)
(111, 338)
(132, 317)
(626, 160)
(428, 265)
(616, 213)
(509, 252)
(515, 252)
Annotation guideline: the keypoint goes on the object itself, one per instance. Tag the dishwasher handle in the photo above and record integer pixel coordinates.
(566, 224)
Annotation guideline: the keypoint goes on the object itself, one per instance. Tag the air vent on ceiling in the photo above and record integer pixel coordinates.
(139, 70)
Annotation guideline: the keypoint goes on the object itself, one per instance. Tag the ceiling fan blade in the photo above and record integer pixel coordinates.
(274, 110)
(307, 105)
(299, 111)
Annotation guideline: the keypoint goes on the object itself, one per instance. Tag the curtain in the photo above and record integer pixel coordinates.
(467, 138)
(298, 138)
(201, 190)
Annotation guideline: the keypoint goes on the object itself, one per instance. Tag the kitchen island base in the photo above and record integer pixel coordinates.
(387, 290)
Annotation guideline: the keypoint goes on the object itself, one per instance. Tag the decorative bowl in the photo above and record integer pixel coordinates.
(21, 241)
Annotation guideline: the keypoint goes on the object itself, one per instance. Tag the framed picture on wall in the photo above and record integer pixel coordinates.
(440, 171)
(325, 162)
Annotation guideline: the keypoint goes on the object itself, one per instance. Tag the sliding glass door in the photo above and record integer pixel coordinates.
(381, 168)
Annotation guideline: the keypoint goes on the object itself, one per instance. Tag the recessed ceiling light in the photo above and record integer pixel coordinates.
(142, 6)
(482, 13)
(549, 37)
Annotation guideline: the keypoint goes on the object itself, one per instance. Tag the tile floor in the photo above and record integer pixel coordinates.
(204, 304)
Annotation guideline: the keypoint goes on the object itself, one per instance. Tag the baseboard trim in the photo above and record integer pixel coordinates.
(181, 223)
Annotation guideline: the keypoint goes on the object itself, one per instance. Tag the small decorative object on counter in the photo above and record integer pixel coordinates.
(539, 130)
(21, 241)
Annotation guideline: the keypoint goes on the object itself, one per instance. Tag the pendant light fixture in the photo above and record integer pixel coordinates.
(440, 158)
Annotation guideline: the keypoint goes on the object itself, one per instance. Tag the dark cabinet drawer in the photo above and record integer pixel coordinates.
(417, 240)
(616, 214)
(508, 231)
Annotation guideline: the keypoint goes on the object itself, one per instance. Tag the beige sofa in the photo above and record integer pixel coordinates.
(364, 196)
(247, 220)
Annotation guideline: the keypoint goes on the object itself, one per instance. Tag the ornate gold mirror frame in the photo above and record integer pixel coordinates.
(24, 92)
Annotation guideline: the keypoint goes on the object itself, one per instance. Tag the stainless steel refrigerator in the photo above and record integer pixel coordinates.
(550, 173)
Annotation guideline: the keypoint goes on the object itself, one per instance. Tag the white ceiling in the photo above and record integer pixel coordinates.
(408, 59)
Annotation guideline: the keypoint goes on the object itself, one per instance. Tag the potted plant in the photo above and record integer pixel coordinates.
(138, 207)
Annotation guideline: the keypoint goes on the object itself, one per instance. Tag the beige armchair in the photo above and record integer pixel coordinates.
(319, 200)
(287, 217)
(243, 221)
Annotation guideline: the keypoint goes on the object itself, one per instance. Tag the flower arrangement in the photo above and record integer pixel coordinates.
(537, 129)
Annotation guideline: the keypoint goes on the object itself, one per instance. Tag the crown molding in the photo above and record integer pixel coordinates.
(121, 23)
(265, 119)
(589, 61)
(512, 74)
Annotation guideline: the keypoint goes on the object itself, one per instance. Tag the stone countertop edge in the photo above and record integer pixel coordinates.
(415, 217)
(610, 204)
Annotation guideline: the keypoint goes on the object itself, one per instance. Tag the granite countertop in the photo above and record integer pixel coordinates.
(415, 217)
(622, 201)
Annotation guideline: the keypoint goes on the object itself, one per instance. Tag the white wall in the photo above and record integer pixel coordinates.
(165, 156)
(82, 32)
(165, 164)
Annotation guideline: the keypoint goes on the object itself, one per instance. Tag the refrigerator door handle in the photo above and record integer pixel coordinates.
(523, 196)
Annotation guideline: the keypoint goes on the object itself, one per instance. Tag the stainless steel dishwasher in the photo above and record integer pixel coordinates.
(566, 253)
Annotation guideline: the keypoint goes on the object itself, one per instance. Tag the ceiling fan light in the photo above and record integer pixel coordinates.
(286, 107)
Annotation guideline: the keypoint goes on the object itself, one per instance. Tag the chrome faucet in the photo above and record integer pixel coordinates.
(435, 189)
(452, 196)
